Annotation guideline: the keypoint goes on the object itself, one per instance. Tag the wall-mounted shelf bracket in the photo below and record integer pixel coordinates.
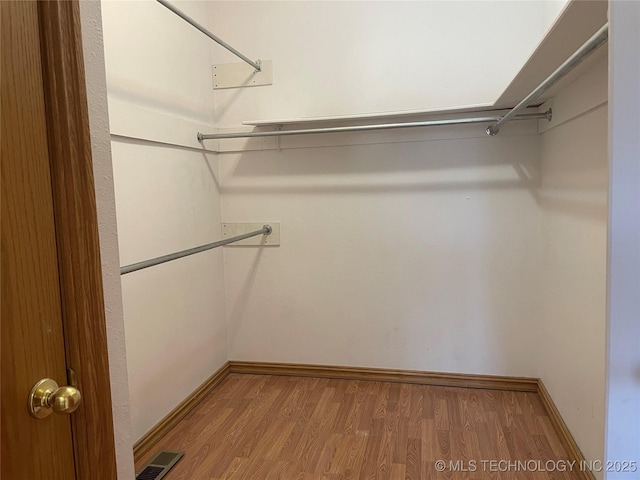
(238, 75)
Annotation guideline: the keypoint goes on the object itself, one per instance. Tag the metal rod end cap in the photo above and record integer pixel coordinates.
(492, 131)
(268, 229)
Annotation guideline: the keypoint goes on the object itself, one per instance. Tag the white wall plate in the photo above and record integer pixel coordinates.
(237, 75)
(233, 229)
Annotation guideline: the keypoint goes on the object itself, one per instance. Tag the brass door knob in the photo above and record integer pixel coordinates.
(47, 397)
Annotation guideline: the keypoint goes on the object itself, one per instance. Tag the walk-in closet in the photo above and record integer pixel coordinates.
(362, 239)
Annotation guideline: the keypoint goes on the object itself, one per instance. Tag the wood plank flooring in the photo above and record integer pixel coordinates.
(272, 427)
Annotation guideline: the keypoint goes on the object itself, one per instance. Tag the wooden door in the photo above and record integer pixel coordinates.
(32, 332)
(52, 308)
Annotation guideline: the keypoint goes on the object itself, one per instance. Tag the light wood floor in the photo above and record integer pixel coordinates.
(271, 427)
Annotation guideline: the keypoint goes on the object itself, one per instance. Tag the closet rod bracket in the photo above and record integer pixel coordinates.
(493, 131)
(596, 41)
(549, 114)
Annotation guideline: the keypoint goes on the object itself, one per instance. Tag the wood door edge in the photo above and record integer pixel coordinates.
(83, 310)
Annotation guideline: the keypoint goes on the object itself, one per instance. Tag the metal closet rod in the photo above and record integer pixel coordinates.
(590, 46)
(363, 128)
(596, 41)
(257, 64)
(134, 267)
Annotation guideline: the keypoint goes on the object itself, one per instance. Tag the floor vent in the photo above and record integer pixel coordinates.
(159, 465)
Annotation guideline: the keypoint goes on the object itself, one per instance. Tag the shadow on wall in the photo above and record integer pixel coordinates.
(574, 171)
(415, 255)
(237, 311)
(214, 175)
(221, 110)
(437, 165)
(430, 166)
(148, 96)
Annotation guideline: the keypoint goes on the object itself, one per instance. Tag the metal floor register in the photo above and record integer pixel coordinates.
(159, 465)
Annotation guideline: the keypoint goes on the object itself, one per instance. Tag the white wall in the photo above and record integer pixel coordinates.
(92, 42)
(623, 354)
(418, 255)
(334, 58)
(573, 199)
(407, 249)
(168, 200)
(435, 249)
(160, 92)
(156, 60)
